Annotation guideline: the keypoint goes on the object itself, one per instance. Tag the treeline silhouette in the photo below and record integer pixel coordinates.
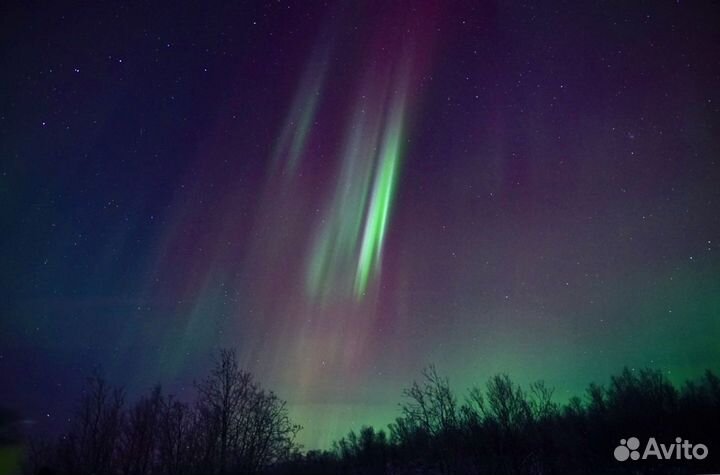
(236, 427)
(505, 429)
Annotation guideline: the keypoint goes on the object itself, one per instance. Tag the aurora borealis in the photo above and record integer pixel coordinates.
(348, 192)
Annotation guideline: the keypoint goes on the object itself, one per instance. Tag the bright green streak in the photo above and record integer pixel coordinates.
(335, 249)
(382, 196)
(347, 249)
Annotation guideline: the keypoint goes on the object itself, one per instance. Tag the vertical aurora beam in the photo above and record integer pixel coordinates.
(347, 249)
(335, 246)
(296, 129)
(384, 187)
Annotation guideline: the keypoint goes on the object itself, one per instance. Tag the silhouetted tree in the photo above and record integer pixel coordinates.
(140, 433)
(91, 445)
(432, 406)
(366, 452)
(248, 427)
(176, 441)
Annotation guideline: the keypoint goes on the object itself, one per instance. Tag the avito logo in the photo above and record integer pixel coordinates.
(680, 450)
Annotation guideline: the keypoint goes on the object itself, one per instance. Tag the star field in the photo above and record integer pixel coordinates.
(348, 191)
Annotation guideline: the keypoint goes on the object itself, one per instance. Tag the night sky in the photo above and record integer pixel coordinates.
(347, 192)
